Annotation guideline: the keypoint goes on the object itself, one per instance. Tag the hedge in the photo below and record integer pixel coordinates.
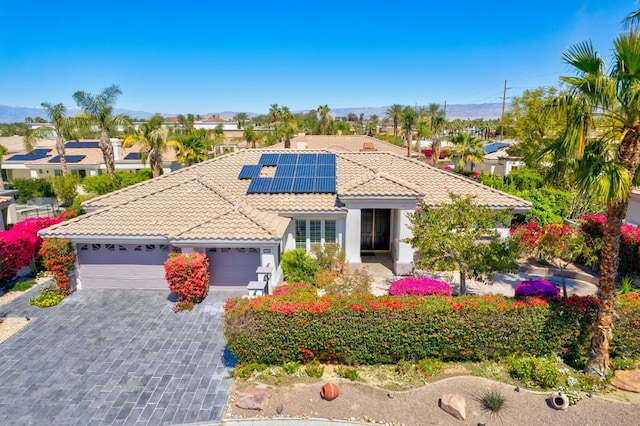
(367, 329)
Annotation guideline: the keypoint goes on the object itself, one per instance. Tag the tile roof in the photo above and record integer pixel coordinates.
(342, 143)
(207, 201)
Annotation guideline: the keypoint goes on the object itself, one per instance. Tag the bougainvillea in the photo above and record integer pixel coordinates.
(59, 259)
(537, 287)
(188, 277)
(419, 286)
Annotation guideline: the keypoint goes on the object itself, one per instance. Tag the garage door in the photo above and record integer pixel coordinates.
(135, 266)
(233, 267)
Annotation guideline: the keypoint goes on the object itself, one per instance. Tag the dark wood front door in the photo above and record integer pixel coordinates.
(374, 229)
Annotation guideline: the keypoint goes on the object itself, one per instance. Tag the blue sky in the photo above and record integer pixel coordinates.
(206, 56)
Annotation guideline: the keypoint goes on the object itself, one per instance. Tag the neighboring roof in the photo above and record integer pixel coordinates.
(493, 147)
(342, 143)
(207, 201)
(15, 144)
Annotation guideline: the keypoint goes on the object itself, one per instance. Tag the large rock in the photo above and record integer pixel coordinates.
(253, 399)
(455, 405)
(628, 380)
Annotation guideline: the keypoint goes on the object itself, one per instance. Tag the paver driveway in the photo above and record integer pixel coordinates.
(115, 357)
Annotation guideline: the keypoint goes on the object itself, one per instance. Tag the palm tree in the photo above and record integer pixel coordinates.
(192, 148)
(467, 148)
(323, 113)
(251, 136)
(409, 117)
(241, 118)
(60, 125)
(608, 159)
(394, 112)
(152, 138)
(99, 108)
(372, 125)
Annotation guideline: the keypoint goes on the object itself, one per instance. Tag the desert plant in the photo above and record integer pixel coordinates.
(347, 373)
(539, 371)
(329, 257)
(291, 367)
(333, 282)
(314, 369)
(49, 296)
(298, 266)
(65, 188)
(627, 285)
(492, 400)
(429, 366)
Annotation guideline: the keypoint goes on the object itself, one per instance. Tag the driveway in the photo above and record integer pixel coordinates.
(115, 357)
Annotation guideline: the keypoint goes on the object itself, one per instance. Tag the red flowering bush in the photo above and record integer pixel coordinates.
(188, 277)
(20, 244)
(419, 286)
(537, 287)
(59, 258)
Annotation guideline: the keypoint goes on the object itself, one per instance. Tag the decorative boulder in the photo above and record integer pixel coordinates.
(627, 380)
(559, 401)
(455, 405)
(329, 391)
(253, 399)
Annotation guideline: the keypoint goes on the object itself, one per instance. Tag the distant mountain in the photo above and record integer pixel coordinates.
(13, 114)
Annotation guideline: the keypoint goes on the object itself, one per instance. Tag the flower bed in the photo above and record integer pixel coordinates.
(419, 286)
(537, 287)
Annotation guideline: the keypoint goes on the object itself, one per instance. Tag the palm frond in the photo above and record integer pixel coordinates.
(584, 58)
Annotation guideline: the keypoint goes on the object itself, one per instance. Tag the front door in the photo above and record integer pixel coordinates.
(374, 229)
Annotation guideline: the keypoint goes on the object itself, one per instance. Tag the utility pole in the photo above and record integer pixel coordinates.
(445, 109)
(504, 101)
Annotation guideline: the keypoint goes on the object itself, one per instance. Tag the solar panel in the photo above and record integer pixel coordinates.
(36, 154)
(259, 185)
(84, 144)
(288, 159)
(325, 185)
(285, 170)
(68, 158)
(307, 158)
(305, 171)
(326, 170)
(250, 171)
(269, 159)
(283, 184)
(326, 158)
(132, 156)
(303, 185)
(493, 147)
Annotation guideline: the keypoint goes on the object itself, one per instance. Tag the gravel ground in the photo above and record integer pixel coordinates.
(362, 403)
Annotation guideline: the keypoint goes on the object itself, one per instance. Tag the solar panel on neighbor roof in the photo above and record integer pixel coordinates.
(35, 155)
(68, 158)
(132, 156)
(83, 144)
(249, 171)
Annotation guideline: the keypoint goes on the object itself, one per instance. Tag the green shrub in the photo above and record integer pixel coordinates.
(22, 285)
(298, 266)
(76, 209)
(350, 373)
(31, 188)
(365, 329)
(126, 178)
(524, 179)
(49, 296)
(539, 371)
(291, 367)
(314, 369)
(548, 205)
(100, 185)
(404, 367)
(492, 400)
(329, 257)
(65, 188)
(429, 366)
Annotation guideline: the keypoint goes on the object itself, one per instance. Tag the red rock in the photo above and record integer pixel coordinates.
(329, 391)
(628, 380)
(455, 405)
(253, 399)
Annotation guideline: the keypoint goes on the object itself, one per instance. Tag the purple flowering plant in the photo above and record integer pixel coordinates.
(537, 287)
(419, 286)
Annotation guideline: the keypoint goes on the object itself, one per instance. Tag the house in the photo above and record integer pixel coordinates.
(633, 211)
(7, 207)
(497, 160)
(84, 158)
(340, 143)
(245, 209)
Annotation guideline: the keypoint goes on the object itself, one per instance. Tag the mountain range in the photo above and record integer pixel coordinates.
(15, 114)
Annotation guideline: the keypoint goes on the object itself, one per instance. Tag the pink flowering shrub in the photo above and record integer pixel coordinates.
(419, 286)
(188, 277)
(537, 287)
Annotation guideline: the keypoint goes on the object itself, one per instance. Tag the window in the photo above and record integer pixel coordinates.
(301, 234)
(96, 246)
(330, 231)
(150, 247)
(164, 247)
(110, 247)
(315, 231)
(84, 246)
(121, 247)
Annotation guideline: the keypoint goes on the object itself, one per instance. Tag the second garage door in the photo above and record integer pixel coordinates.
(232, 266)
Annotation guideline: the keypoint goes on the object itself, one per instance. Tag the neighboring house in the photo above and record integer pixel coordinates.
(7, 207)
(497, 160)
(16, 143)
(84, 158)
(633, 211)
(246, 208)
(340, 143)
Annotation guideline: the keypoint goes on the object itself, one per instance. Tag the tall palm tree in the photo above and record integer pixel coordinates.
(394, 112)
(467, 148)
(241, 118)
(323, 112)
(99, 108)
(152, 138)
(192, 148)
(437, 126)
(610, 98)
(372, 125)
(60, 125)
(409, 117)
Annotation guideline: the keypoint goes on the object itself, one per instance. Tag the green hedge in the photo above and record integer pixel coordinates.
(31, 188)
(372, 330)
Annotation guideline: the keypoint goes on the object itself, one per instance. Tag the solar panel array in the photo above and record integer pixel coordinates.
(36, 154)
(132, 156)
(84, 144)
(294, 173)
(68, 158)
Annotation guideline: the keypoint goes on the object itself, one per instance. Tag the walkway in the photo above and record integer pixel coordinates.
(115, 357)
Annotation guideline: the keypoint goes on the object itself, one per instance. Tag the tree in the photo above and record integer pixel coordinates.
(60, 125)
(409, 118)
(241, 118)
(394, 112)
(372, 125)
(437, 123)
(251, 136)
(447, 238)
(466, 148)
(323, 113)
(192, 148)
(99, 109)
(602, 136)
(152, 137)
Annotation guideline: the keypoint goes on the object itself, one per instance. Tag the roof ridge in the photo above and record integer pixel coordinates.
(252, 214)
